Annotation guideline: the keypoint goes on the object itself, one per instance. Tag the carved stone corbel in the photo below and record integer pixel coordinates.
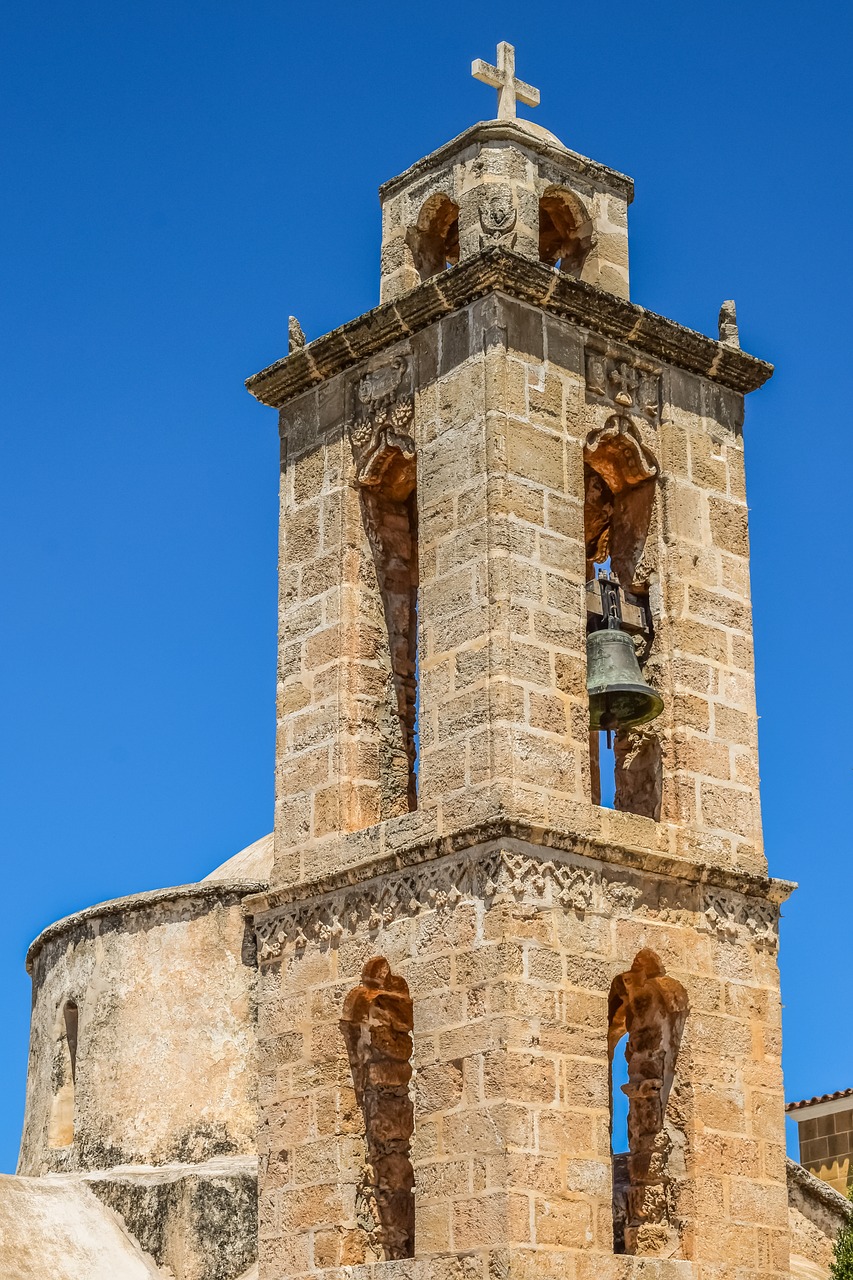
(381, 418)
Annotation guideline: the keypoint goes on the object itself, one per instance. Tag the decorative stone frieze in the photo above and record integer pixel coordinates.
(728, 914)
(483, 874)
(489, 873)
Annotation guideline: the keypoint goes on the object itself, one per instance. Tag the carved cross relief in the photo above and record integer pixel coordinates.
(622, 383)
(503, 78)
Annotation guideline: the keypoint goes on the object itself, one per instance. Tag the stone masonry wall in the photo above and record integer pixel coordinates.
(165, 984)
(509, 951)
(496, 174)
(502, 404)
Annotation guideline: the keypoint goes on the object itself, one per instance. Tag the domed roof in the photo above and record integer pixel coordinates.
(252, 863)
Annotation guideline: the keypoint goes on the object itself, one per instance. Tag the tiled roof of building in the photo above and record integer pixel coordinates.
(824, 1097)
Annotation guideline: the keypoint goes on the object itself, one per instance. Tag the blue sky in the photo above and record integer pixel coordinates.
(181, 176)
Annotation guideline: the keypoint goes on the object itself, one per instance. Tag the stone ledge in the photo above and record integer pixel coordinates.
(507, 870)
(517, 1262)
(207, 891)
(521, 134)
(496, 271)
(817, 1192)
(197, 1220)
(500, 828)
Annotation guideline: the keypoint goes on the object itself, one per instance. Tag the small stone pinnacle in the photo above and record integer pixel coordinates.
(295, 336)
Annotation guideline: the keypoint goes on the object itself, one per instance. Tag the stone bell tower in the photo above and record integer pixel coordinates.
(460, 938)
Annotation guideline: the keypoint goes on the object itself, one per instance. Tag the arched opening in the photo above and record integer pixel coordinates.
(61, 1123)
(619, 1139)
(434, 240)
(391, 519)
(385, 460)
(646, 1013)
(565, 231)
(376, 1022)
(620, 478)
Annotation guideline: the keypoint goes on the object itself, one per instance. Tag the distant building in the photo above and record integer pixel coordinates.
(825, 1127)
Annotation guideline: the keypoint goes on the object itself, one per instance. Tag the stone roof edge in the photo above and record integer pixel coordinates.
(207, 889)
(817, 1189)
(427, 850)
(510, 131)
(499, 270)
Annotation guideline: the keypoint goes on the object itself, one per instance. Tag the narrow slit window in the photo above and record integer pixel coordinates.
(61, 1122)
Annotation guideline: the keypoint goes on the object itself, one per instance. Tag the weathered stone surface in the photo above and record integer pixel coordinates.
(197, 1222)
(59, 1229)
(165, 979)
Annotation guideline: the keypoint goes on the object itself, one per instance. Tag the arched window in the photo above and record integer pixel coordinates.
(434, 240)
(61, 1124)
(376, 1023)
(619, 495)
(565, 231)
(647, 1012)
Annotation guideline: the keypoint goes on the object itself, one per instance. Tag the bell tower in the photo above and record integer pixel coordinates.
(513, 526)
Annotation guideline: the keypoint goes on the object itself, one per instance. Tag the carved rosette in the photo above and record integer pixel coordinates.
(381, 418)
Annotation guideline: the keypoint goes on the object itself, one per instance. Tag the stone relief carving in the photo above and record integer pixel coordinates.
(497, 220)
(439, 885)
(491, 873)
(381, 417)
(726, 914)
(618, 454)
(622, 383)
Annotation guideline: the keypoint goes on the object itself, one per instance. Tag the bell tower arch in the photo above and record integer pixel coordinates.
(457, 466)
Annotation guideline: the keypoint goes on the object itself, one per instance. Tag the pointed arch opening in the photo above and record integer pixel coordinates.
(620, 479)
(646, 1015)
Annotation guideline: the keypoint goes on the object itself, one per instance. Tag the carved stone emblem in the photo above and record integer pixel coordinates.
(381, 419)
(497, 220)
(623, 384)
(617, 453)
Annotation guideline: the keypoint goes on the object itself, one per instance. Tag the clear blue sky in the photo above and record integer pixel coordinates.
(179, 176)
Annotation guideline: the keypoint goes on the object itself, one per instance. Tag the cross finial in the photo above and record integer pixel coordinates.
(502, 77)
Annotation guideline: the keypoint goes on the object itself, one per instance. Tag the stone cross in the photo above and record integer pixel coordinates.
(502, 78)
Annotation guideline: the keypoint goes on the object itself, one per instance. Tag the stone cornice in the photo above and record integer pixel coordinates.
(531, 872)
(501, 828)
(500, 271)
(523, 133)
(206, 891)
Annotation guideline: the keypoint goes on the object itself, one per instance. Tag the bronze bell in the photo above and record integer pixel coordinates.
(619, 698)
